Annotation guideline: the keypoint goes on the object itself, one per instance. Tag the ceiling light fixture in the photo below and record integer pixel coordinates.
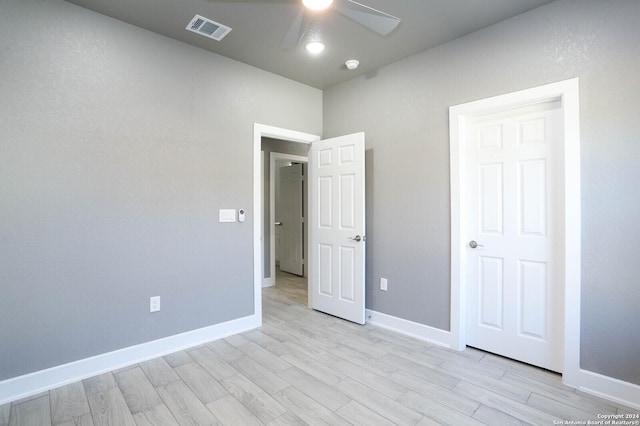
(317, 4)
(352, 64)
(315, 47)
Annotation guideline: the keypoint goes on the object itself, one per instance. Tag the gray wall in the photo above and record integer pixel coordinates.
(403, 108)
(284, 147)
(117, 148)
(113, 164)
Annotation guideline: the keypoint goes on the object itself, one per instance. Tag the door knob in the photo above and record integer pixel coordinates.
(473, 244)
(278, 223)
(357, 238)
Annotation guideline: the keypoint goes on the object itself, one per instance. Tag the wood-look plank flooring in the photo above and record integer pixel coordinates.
(303, 367)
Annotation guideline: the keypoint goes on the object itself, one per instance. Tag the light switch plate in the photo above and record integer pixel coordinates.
(383, 284)
(154, 304)
(227, 215)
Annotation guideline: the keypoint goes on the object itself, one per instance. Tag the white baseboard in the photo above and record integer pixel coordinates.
(268, 282)
(410, 328)
(39, 381)
(615, 390)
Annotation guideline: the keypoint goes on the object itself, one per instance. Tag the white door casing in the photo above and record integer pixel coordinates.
(568, 254)
(261, 131)
(290, 217)
(515, 297)
(337, 225)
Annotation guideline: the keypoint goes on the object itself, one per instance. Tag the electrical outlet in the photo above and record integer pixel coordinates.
(383, 284)
(154, 304)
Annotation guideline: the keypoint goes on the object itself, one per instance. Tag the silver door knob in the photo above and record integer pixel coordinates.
(277, 223)
(473, 244)
(357, 238)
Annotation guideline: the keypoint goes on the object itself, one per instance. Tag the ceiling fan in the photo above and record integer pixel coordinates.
(375, 20)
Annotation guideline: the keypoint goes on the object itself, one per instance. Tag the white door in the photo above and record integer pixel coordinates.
(515, 300)
(337, 224)
(290, 218)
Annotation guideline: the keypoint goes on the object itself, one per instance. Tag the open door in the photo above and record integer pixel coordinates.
(337, 226)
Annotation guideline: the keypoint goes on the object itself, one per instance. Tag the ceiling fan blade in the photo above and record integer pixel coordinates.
(375, 20)
(295, 32)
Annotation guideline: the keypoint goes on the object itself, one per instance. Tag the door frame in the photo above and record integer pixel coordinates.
(260, 131)
(567, 92)
(273, 157)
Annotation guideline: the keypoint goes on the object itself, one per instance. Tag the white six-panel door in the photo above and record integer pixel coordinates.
(515, 300)
(337, 224)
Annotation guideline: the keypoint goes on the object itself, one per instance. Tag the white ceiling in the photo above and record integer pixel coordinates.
(259, 25)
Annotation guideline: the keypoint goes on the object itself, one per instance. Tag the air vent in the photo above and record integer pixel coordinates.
(208, 28)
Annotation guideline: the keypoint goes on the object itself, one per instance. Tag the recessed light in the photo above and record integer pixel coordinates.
(317, 4)
(315, 47)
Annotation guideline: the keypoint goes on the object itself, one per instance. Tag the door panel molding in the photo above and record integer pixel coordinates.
(510, 192)
(336, 226)
(566, 93)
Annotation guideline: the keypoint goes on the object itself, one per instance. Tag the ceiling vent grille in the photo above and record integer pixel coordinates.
(208, 28)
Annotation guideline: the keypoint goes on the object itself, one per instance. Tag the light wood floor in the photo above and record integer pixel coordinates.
(304, 367)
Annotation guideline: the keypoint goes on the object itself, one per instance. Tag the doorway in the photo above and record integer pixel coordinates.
(284, 209)
(260, 267)
(288, 210)
(336, 226)
(288, 205)
(289, 219)
(565, 95)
